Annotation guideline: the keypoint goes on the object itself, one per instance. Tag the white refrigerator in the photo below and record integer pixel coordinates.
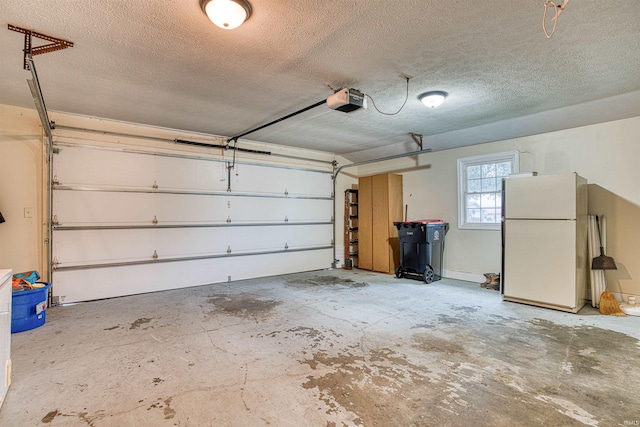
(544, 241)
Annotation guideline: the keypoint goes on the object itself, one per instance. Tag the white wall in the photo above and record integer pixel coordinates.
(607, 154)
(21, 239)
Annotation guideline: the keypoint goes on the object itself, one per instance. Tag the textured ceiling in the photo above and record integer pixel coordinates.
(162, 63)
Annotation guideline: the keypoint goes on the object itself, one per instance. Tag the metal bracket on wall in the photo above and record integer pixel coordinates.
(417, 138)
(57, 44)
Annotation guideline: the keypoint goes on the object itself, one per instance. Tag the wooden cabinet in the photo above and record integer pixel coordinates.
(5, 333)
(379, 205)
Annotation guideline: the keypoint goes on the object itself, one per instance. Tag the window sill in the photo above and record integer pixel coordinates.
(484, 227)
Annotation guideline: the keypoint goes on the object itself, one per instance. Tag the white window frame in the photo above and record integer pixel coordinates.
(463, 164)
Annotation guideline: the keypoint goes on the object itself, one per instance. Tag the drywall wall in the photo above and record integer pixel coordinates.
(606, 154)
(21, 239)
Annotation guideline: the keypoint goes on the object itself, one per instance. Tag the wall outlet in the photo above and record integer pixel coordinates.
(28, 212)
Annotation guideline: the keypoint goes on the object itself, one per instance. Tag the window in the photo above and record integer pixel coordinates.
(480, 189)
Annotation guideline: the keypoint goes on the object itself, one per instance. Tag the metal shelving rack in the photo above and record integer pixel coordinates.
(350, 228)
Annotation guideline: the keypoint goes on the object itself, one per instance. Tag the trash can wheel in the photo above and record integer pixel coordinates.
(428, 274)
(399, 272)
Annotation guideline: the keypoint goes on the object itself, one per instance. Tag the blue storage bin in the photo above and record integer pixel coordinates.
(29, 308)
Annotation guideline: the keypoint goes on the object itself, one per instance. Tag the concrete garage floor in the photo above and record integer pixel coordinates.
(326, 348)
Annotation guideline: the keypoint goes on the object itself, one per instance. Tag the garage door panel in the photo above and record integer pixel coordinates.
(77, 247)
(190, 174)
(111, 208)
(82, 166)
(87, 247)
(115, 235)
(310, 210)
(280, 181)
(91, 284)
(249, 239)
(262, 209)
(309, 235)
(89, 166)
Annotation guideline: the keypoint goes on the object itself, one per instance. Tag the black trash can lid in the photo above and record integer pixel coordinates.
(420, 221)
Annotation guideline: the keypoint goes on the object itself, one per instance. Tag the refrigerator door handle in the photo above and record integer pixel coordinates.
(502, 232)
(502, 201)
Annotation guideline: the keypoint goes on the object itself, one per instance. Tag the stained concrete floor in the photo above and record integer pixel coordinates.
(326, 348)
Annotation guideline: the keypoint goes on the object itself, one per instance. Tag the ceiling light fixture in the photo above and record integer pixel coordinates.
(433, 99)
(227, 14)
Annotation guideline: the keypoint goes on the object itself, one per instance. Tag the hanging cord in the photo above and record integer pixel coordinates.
(231, 165)
(558, 10)
(235, 146)
(401, 107)
(235, 151)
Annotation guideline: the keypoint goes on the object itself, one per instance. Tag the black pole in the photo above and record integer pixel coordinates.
(288, 116)
(199, 144)
(226, 147)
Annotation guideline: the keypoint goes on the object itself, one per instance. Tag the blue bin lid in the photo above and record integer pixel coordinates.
(32, 291)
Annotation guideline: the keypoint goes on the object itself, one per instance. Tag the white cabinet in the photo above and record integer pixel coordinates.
(5, 333)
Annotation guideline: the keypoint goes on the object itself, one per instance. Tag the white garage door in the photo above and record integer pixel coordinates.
(134, 221)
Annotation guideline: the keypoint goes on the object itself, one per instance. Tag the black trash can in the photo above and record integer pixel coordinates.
(421, 249)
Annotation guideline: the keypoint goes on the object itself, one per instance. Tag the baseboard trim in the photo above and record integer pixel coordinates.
(623, 297)
(460, 275)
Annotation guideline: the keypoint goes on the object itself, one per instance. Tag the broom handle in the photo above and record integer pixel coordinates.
(599, 236)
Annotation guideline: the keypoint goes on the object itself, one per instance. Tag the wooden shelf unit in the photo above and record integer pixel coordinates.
(350, 228)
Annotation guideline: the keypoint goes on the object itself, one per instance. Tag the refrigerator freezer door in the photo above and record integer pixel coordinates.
(540, 263)
(541, 197)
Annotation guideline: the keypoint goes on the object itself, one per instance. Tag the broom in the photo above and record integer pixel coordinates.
(608, 303)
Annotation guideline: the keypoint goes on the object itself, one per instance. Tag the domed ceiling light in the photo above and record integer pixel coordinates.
(227, 14)
(433, 99)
